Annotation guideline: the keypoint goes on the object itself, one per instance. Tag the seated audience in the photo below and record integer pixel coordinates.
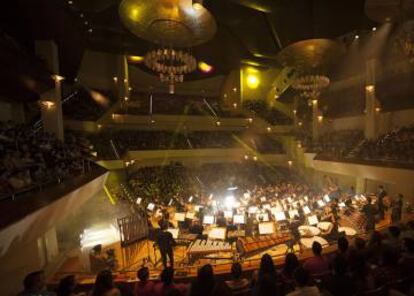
(340, 284)
(104, 285)
(286, 275)
(388, 271)
(318, 264)
(167, 284)
(264, 282)
(144, 287)
(35, 285)
(67, 287)
(238, 285)
(302, 284)
(406, 261)
(207, 285)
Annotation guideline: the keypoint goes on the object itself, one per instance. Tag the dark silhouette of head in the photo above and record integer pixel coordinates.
(394, 231)
(343, 244)
(66, 286)
(103, 283)
(143, 274)
(291, 263)
(317, 248)
(267, 266)
(236, 270)
(34, 281)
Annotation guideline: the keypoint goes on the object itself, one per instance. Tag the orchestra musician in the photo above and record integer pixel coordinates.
(166, 243)
(369, 211)
(380, 196)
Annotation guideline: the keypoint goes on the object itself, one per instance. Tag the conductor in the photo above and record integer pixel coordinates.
(166, 242)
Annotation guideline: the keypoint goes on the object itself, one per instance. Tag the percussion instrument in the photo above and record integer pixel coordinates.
(307, 242)
(308, 231)
(348, 230)
(207, 246)
(251, 244)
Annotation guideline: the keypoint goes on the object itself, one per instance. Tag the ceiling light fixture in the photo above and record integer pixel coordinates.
(204, 67)
(198, 4)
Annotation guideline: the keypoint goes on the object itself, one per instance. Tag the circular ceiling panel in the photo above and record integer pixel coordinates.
(169, 22)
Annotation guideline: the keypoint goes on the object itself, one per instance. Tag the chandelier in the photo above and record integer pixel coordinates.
(175, 26)
(170, 64)
(405, 40)
(310, 86)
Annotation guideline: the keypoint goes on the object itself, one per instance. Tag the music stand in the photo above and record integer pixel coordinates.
(266, 228)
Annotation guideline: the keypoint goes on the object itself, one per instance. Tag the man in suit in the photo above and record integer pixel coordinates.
(166, 243)
(369, 212)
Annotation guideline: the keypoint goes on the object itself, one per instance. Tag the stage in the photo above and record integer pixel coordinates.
(132, 257)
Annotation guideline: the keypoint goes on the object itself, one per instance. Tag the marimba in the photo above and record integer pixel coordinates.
(249, 245)
(201, 248)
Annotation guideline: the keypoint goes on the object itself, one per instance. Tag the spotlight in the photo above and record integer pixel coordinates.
(269, 129)
(135, 58)
(356, 36)
(235, 89)
(255, 158)
(252, 81)
(374, 29)
(204, 67)
(246, 157)
(276, 96)
(234, 105)
(218, 123)
(115, 79)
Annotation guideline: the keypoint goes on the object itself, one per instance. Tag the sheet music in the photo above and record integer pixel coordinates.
(266, 228)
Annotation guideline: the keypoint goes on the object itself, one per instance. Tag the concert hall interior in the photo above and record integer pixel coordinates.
(206, 147)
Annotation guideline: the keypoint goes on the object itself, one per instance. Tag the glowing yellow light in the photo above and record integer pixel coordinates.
(314, 102)
(377, 109)
(269, 129)
(204, 67)
(235, 89)
(295, 111)
(276, 96)
(197, 6)
(290, 162)
(134, 13)
(48, 104)
(300, 123)
(57, 77)
(218, 123)
(252, 81)
(320, 118)
(255, 158)
(225, 95)
(234, 105)
(246, 157)
(115, 79)
(99, 126)
(370, 88)
(113, 115)
(152, 121)
(250, 120)
(135, 59)
(299, 145)
(126, 99)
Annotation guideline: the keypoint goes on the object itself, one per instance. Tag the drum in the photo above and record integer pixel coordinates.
(348, 230)
(307, 242)
(308, 231)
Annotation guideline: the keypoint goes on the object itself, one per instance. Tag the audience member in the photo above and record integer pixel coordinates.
(207, 285)
(340, 284)
(35, 285)
(291, 263)
(67, 287)
(104, 285)
(318, 264)
(238, 285)
(167, 284)
(144, 287)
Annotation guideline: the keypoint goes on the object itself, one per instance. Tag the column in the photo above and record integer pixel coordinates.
(315, 119)
(360, 185)
(123, 92)
(370, 101)
(51, 101)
